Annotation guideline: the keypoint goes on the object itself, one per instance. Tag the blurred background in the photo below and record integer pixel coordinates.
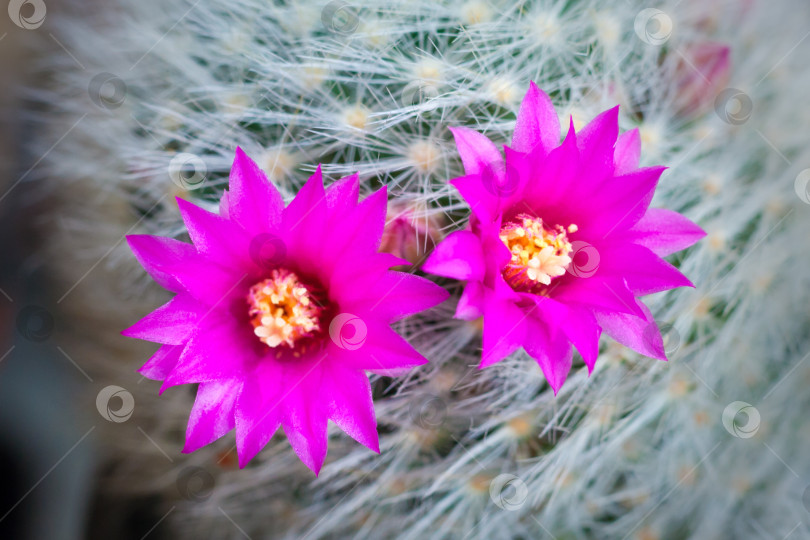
(49, 462)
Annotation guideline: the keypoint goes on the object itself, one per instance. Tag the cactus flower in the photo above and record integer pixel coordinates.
(561, 242)
(279, 312)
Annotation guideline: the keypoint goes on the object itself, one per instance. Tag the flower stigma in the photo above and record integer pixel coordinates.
(283, 310)
(539, 253)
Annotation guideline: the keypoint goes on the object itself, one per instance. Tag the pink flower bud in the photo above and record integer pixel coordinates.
(410, 233)
(701, 73)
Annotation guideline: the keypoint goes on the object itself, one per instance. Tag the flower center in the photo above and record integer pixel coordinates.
(539, 253)
(282, 309)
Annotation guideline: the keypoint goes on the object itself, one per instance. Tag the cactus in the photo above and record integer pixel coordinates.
(150, 103)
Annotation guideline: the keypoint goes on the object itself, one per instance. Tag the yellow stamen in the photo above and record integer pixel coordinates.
(539, 253)
(282, 309)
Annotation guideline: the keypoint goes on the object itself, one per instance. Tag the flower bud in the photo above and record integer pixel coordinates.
(410, 232)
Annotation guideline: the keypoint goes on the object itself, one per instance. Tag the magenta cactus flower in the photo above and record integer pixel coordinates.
(280, 312)
(561, 241)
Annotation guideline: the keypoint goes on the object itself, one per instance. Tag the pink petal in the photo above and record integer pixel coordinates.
(664, 232)
(483, 202)
(537, 126)
(551, 350)
(254, 202)
(393, 296)
(638, 333)
(504, 329)
(304, 220)
(225, 205)
(497, 255)
(471, 304)
(211, 284)
(619, 204)
(347, 274)
(365, 226)
(358, 235)
(342, 196)
(520, 169)
(628, 152)
(162, 362)
(178, 267)
(478, 154)
(380, 351)
(305, 421)
(361, 343)
(218, 350)
(217, 238)
(212, 415)
(581, 328)
(596, 144)
(170, 324)
(597, 140)
(257, 415)
(643, 271)
(597, 292)
(349, 404)
(556, 174)
(458, 256)
(578, 324)
(159, 256)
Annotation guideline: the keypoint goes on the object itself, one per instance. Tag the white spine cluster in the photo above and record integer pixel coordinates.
(707, 445)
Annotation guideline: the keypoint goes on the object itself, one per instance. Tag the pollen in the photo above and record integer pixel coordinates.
(282, 309)
(539, 253)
